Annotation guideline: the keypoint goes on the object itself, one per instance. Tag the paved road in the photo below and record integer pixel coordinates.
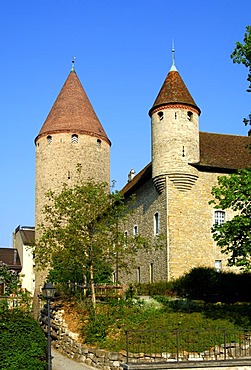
(61, 362)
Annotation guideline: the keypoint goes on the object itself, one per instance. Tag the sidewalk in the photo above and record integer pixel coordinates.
(61, 362)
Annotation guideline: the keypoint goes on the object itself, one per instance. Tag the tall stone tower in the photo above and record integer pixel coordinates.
(71, 134)
(175, 134)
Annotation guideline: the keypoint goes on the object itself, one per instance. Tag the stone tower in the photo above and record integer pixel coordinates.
(175, 134)
(71, 134)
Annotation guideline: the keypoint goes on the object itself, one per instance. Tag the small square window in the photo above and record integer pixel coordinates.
(218, 265)
(219, 217)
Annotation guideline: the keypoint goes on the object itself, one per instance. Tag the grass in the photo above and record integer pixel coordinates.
(107, 328)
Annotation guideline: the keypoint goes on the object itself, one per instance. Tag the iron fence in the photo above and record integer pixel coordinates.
(144, 346)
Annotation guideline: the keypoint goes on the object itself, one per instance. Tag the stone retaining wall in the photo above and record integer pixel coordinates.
(68, 343)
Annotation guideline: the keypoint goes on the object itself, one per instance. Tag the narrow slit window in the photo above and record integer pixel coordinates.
(98, 143)
(151, 273)
(138, 275)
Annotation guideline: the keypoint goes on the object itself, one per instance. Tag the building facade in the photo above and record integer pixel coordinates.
(172, 192)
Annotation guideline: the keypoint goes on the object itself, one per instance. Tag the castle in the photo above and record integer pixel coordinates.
(172, 192)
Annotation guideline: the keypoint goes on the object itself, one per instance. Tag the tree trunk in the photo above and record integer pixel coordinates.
(92, 287)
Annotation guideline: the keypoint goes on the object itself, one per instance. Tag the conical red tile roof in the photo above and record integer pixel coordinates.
(73, 112)
(173, 91)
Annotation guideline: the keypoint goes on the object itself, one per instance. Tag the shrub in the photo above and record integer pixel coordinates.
(22, 342)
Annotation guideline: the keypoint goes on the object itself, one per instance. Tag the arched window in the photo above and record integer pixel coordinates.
(156, 223)
(74, 138)
(135, 230)
(190, 116)
(98, 143)
(160, 116)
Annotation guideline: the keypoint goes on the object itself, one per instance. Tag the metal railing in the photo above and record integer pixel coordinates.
(144, 346)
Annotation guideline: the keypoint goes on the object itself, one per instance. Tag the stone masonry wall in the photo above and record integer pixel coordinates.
(186, 219)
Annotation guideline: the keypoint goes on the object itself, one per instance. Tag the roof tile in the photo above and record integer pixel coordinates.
(73, 112)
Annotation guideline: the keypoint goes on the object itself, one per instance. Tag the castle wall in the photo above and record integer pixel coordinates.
(152, 264)
(186, 219)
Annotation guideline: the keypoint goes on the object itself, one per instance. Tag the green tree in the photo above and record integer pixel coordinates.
(83, 224)
(242, 55)
(234, 236)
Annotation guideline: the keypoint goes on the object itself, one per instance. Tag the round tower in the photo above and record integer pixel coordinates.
(71, 135)
(175, 134)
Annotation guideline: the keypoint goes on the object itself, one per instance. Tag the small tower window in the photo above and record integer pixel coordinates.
(190, 116)
(161, 116)
(98, 143)
(49, 139)
(74, 138)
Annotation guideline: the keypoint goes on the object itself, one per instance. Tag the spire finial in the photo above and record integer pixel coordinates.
(72, 64)
(173, 68)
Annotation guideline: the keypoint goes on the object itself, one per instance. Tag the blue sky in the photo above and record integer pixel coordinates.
(123, 54)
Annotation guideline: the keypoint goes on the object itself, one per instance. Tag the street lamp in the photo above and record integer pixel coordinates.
(48, 292)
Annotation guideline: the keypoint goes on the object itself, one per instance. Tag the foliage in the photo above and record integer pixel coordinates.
(82, 227)
(242, 55)
(107, 328)
(22, 342)
(10, 279)
(156, 288)
(13, 290)
(234, 236)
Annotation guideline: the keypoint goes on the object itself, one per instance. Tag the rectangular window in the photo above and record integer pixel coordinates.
(156, 223)
(219, 217)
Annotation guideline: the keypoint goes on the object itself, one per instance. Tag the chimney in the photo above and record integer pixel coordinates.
(131, 175)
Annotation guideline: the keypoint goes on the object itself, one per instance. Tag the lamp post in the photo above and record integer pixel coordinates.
(48, 292)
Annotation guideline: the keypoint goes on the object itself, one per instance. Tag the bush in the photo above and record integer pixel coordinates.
(207, 284)
(22, 342)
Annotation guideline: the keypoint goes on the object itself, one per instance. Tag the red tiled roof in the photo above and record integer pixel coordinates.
(73, 112)
(224, 151)
(173, 91)
(218, 152)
